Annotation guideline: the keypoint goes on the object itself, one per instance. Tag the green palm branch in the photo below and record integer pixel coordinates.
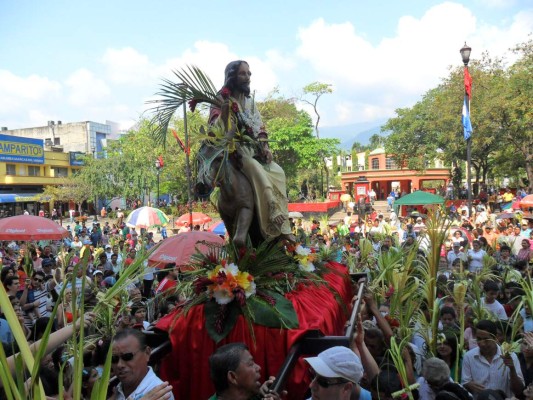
(193, 85)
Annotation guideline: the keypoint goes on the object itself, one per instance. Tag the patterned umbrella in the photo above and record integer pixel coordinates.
(145, 217)
(198, 218)
(29, 227)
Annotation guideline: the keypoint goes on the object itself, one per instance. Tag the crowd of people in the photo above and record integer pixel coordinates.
(33, 275)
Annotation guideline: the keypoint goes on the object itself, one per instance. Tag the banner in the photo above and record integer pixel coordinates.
(21, 150)
(76, 158)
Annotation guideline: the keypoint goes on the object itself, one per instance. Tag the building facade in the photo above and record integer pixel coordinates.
(86, 137)
(385, 176)
(26, 168)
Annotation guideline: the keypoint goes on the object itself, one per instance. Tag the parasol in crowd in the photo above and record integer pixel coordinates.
(506, 215)
(179, 248)
(345, 197)
(527, 201)
(145, 217)
(198, 218)
(295, 214)
(30, 227)
(218, 227)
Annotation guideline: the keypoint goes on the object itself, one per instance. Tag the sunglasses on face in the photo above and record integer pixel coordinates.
(124, 357)
(38, 280)
(325, 382)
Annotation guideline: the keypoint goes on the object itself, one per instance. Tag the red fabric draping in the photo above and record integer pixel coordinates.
(187, 368)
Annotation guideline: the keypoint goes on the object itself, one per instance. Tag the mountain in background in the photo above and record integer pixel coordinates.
(348, 134)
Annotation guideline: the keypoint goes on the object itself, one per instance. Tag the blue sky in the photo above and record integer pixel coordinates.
(101, 60)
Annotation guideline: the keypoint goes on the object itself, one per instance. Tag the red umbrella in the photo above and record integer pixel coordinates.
(29, 227)
(198, 218)
(179, 249)
(527, 201)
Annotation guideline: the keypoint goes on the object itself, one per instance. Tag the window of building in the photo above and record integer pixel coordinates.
(375, 163)
(11, 169)
(389, 163)
(60, 172)
(34, 171)
(57, 141)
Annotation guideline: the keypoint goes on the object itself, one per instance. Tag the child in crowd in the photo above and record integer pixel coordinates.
(491, 290)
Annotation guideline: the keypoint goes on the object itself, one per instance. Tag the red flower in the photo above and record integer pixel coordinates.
(240, 296)
(390, 292)
(242, 252)
(192, 104)
(221, 277)
(235, 107)
(200, 284)
(225, 93)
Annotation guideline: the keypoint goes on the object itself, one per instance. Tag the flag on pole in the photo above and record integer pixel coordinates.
(468, 83)
(467, 125)
(180, 142)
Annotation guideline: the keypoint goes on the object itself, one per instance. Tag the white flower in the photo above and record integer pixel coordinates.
(302, 251)
(223, 296)
(308, 266)
(302, 255)
(232, 269)
(251, 290)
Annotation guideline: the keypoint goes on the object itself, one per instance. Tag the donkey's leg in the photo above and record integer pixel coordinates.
(243, 220)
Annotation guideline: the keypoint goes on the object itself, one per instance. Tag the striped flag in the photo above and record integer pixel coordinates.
(467, 125)
(468, 83)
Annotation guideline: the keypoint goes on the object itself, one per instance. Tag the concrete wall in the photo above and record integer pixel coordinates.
(75, 136)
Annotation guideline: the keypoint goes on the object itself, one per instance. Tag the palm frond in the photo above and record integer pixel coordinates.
(193, 85)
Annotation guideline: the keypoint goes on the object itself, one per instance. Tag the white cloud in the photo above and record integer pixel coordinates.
(371, 80)
(86, 89)
(127, 66)
(22, 92)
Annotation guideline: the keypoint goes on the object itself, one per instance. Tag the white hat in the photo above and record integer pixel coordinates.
(337, 362)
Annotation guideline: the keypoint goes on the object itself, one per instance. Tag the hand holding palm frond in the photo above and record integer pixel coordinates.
(195, 87)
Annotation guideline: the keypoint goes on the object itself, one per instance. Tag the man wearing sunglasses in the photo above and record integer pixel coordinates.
(335, 374)
(130, 365)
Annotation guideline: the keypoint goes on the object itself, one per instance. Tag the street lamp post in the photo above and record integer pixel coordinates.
(158, 167)
(465, 54)
(93, 150)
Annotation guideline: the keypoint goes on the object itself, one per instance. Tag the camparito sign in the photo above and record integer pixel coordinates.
(22, 150)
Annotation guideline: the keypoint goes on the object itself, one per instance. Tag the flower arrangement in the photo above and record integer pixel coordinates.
(250, 282)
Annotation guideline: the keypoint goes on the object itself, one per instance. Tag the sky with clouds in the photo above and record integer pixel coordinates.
(102, 60)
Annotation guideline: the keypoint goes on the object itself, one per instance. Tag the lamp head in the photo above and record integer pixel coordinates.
(465, 54)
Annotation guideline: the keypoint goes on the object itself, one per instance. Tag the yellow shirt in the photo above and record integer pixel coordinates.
(507, 197)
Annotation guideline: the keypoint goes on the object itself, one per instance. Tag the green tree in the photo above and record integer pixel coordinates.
(317, 90)
(500, 113)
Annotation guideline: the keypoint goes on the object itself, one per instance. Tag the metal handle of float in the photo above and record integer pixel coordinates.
(314, 342)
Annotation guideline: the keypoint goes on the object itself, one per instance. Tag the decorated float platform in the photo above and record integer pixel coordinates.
(323, 308)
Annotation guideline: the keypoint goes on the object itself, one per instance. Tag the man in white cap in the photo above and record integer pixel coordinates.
(336, 374)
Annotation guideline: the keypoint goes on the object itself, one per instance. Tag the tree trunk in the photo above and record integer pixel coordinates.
(529, 172)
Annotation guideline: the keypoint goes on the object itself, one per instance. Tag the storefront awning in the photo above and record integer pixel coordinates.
(19, 198)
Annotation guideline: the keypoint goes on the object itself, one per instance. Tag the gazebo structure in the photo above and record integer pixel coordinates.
(384, 175)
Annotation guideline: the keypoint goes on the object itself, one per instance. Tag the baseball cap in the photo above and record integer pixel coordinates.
(97, 272)
(456, 244)
(337, 362)
(108, 246)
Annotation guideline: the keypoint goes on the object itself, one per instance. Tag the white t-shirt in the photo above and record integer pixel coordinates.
(475, 260)
(496, 308)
